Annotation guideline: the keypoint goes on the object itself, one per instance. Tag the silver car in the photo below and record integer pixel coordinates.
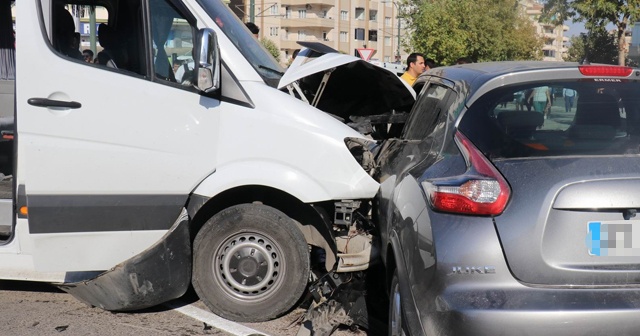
(508, 205)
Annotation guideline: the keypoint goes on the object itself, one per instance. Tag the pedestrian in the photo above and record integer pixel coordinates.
(463, 60)
(253, 28)
(415, 66)
(541, 100)
(569, 96)
(429, 63)
(87, 54)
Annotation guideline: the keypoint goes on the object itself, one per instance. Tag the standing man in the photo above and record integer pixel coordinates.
(253, 28)
(569, 96)
(415, 66)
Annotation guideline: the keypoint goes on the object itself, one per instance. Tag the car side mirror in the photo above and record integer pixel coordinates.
(207, 61)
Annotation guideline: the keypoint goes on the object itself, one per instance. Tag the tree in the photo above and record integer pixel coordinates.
(596, 14)
(483, 30)
(599, 43)
(271, 47)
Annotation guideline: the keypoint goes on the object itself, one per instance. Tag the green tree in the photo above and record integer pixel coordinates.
(483, 30)
(596, 14)
(271, 47)
(600, 45)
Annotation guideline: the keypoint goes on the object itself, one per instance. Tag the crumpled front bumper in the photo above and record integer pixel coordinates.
(159, 274)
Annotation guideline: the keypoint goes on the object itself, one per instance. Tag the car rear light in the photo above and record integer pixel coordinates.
(481, 190)
(605, 70)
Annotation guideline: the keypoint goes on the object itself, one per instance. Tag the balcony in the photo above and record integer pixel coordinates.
(310, 2)
(307, 22)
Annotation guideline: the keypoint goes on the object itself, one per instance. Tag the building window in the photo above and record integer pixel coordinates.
(373, 15)
(324, 36)
(302, 35)
(387, 21)
(373, 35)
(549, 53)
(387, 59)
(273, 31)
(344, 36)
(344, 15)
(273, 10)
(287, 13)
(387, 41)
(359, 13)
(286, 34)
(359, 34)
(302, 13)
(323, 14)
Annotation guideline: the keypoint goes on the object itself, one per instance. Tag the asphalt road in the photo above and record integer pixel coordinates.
(28, 308)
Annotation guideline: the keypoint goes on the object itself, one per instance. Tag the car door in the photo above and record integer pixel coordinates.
(106, 156)
(403, 162)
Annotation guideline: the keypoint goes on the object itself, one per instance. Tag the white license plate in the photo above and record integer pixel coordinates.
(614, 238)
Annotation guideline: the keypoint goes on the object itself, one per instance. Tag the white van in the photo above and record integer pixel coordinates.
(126, 185)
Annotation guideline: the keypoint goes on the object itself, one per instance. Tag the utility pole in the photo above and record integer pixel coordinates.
(395, 4)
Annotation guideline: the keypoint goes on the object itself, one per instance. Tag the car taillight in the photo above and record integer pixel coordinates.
(605, 70)
(481, 190)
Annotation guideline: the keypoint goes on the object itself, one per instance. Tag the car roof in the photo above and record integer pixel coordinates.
(477, 78)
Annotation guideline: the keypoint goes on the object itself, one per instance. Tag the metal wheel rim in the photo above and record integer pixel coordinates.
(249, 266)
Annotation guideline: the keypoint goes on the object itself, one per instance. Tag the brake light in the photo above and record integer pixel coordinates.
(481, 190)
(605, 70)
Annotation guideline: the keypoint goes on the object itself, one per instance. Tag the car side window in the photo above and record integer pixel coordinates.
(424, 116)
(115, 42)
(172, 37)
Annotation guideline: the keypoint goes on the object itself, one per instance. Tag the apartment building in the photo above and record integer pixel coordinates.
(345, 25)
(555, 41)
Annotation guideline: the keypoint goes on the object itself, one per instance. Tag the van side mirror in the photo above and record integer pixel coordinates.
(207, 61)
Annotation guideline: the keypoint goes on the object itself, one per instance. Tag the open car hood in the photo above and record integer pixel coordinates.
(352, 87)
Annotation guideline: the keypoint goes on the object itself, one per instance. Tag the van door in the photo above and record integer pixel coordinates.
(107, 153)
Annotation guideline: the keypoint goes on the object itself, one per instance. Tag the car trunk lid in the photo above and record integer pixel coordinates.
(571, 221)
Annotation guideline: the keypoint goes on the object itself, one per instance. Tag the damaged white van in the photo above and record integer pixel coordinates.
(124, 184)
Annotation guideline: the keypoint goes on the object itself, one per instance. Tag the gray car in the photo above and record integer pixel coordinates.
(508, 205)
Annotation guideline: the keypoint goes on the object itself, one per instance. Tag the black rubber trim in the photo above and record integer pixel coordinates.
(45, 102)
(93, 213)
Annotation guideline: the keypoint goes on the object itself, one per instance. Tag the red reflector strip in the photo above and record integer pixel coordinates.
(605, 70)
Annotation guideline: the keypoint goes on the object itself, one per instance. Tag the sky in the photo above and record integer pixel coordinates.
(575, 28)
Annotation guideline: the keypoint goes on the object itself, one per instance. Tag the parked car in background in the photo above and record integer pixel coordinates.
(495, 220)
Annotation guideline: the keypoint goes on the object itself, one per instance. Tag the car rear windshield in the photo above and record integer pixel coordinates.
(556, 118)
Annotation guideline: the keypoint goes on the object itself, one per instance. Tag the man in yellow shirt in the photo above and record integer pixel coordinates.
(415, 66)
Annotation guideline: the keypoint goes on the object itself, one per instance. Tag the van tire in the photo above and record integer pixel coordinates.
(269, 270)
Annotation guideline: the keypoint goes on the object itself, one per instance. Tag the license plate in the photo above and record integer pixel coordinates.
(613, 238)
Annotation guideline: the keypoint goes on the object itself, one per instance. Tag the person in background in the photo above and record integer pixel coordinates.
(415, 66)
(569, 96)
(87, 54)
(541, 100)
(253, 28)
(463, 60)
(429, 63)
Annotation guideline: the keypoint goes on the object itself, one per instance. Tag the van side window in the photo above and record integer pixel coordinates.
(172, 37)
(116, 42)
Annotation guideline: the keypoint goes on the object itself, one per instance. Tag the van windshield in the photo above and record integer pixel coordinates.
(241, 37)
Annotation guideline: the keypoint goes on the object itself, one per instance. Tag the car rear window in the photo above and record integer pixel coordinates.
(556, 118)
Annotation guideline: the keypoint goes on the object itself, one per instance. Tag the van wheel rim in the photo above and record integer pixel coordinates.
(248, 265)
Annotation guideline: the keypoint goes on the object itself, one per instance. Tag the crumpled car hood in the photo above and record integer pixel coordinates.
(355, 87)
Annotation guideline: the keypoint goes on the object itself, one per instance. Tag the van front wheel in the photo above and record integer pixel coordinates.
(250, 263)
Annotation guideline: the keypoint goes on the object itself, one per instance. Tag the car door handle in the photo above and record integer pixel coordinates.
(45, 102)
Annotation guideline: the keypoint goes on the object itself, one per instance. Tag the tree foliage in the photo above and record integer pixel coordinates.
(596, 14)
(601, 46)
(483, 30)
(271, 47)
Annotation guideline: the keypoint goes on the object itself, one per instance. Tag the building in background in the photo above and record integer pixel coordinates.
(634, 45)
(555, 41)
(344, 25)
